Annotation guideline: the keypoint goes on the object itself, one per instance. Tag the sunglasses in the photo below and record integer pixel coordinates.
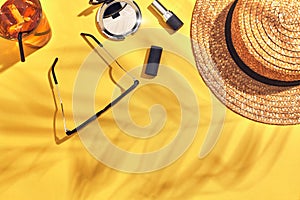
(134, 84)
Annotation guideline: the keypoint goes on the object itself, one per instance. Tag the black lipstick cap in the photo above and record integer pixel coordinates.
(153, 60)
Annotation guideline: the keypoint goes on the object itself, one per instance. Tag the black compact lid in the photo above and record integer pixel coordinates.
(95, 2)
(111, 11)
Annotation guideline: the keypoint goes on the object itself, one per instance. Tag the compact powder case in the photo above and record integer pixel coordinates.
(118, 18)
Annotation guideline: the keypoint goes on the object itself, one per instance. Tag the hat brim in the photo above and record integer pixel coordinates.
(241, 93)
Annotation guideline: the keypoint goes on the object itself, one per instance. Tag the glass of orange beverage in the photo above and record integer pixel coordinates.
(24, 21)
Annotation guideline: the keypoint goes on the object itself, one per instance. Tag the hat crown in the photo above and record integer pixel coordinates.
(288, 13)
(261, 32)
(266, 36)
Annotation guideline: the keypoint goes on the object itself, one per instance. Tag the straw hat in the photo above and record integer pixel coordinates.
(248, 54)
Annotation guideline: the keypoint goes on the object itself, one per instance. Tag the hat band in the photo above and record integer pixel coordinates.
(245, 68)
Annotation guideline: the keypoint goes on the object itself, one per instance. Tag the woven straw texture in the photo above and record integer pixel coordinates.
(266, 35)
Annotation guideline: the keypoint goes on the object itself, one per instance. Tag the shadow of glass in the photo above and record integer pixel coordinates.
(10, 54)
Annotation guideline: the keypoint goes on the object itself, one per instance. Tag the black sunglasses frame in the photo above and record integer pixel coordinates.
(100, 112)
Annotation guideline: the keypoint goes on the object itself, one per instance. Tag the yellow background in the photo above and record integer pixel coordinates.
(250, 161)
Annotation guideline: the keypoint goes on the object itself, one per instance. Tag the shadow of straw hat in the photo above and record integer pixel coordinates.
(248, 54)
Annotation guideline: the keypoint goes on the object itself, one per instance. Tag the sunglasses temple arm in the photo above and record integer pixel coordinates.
(132, 87)
(99, 113)
(59, 96)
(101, 45)
(93, 37)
